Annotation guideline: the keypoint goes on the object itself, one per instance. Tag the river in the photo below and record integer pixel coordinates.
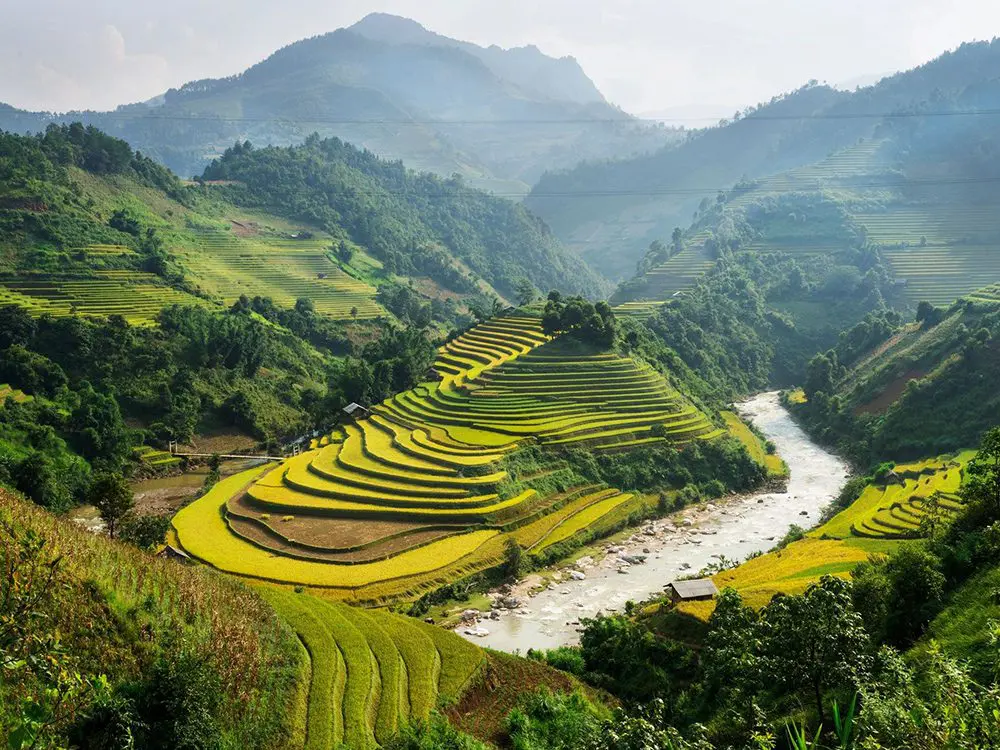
(680, 545)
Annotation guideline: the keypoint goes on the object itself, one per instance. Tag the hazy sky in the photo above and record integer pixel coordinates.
(643, 54)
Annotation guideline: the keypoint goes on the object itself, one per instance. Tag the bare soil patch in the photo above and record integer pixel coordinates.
(893, 391)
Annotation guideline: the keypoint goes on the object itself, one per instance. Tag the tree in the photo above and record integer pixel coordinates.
(982, 476)
(513, 558)
(731, 663)
(928, 315)
(815, 641)
(819, 375)
(111, 495)
(525, 291)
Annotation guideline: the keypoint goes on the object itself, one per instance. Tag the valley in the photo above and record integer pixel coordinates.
(404, 392)
(690, 541)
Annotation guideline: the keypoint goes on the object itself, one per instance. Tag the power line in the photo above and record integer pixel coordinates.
(625, 120)
(755, 186)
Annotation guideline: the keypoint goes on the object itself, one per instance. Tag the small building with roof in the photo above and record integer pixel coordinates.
(355, 411)
(695, 590)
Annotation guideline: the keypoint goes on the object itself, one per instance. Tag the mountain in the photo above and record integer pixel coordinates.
(526, 67)
(498, 117)
(610, 212)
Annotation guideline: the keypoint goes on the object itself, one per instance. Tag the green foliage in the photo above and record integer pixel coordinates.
(434, 734)
(567, 658)
(145, 531)
(714, 467)
(552, 721)
(815, 641)
(415, 223)
(898, 596)
(41, 686)
(580, 319)
(513, 558)
(113, 498)
(631, 662)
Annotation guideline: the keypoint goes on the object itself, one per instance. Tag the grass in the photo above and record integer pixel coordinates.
(754, 445)
(962, 628)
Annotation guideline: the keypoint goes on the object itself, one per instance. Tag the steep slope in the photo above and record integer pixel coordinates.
(419, 221)
(92, 228)
(182, 649)
(443, 107)
(614, 210)
(922, 388)
(438, 479)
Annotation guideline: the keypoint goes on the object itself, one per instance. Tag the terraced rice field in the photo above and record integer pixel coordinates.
(898, 510)
(395, 503)
(682, 271)
(228, 266)
(640, 310)
(987, 295)
(880, 520)
(369, 672)
(155, 458)
(942, 274)
(138, 297)
(6, 392)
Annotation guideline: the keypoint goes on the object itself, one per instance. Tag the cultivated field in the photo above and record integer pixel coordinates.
(427, 489)
(876, 523)
(370, 672)
(228, 266)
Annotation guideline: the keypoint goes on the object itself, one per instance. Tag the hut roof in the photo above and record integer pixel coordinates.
(698, 588)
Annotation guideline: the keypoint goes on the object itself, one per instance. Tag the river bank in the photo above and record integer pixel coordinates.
(548, 609)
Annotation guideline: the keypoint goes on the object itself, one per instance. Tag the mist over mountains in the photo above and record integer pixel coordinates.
(499, 118)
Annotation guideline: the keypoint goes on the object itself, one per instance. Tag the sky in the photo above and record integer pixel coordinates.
(689, 59)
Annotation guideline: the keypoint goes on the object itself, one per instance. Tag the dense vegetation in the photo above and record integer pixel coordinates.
(927, 389)
(415, 223)
(104, 646)
(103, 388)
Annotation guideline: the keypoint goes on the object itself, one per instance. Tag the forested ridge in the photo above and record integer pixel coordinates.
(413, 222)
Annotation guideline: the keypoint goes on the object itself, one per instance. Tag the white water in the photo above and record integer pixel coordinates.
(732, 529)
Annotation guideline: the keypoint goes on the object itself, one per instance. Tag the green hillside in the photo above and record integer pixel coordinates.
(609, 212)
(916, 389)
(416, 224)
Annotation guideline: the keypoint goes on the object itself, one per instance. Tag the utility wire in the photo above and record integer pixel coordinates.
(624, 120)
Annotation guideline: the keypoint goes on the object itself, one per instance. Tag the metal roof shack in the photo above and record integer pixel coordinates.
(355, 411)
(695, 590)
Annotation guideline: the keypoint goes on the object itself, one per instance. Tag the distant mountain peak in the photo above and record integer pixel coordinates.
(387, 27)
(527, 67)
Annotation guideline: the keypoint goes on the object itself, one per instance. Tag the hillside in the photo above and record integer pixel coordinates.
(93, 228)
(437, 482)
(625, 205)
(168, 654)
(499, 118)
(185, 652)
(922, 387)
(414, 223)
